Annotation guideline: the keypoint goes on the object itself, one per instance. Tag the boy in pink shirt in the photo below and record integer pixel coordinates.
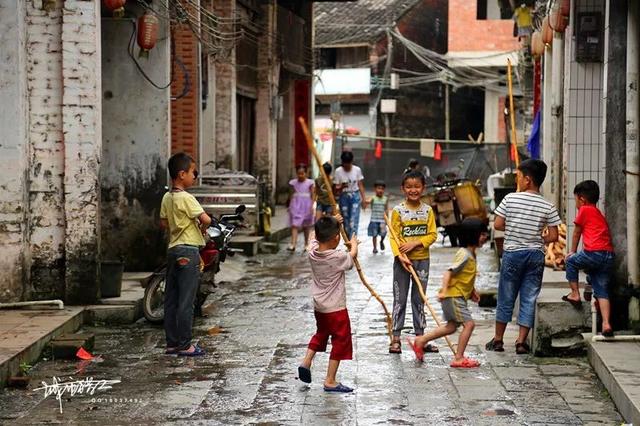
(596, 257)
(328, 267)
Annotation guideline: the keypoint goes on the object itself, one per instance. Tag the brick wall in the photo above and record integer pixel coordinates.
(468, 34)
(46, 163)
(185, 111)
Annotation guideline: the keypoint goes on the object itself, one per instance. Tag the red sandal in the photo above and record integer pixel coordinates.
(464, 363)
(416, 349)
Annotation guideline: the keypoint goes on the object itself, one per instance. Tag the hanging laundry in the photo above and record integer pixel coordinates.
(533, 144)
(427, 147)
(378, 152)
(522, 16)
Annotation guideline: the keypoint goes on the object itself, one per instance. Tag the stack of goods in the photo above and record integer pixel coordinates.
(555, 252)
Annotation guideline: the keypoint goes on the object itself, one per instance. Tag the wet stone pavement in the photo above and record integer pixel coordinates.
(255, 335)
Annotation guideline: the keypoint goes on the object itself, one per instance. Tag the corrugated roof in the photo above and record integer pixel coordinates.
(363, 21)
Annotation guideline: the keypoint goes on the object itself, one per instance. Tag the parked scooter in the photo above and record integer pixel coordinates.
(216, 249)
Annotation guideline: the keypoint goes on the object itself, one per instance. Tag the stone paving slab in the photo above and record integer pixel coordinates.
(618, 366)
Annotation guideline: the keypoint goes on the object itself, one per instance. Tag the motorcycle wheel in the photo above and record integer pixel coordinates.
(153, 302)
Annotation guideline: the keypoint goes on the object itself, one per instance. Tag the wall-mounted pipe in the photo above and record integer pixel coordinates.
(58, 303)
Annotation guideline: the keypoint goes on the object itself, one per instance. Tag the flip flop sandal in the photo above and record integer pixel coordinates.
(395, 347)
(522, 348)
(171, 351)
(607, 333)
(198, 351)
(340, 388)
(304, 374)
(465, 363)
(575, 303)
(429, 348)
(416, 349)
(495, 345)
(291, 249)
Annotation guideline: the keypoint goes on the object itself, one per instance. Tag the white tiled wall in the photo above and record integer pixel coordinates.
(584, 147)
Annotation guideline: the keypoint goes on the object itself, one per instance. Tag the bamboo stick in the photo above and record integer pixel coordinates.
(345, 237)
(418, 282)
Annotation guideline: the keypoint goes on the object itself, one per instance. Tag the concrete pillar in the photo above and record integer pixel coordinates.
(547, 136)
(226, 117)
(82, 129)
(14, 262)
(492, 114)
(633, 166)
(554, 174)
(615, 131)
(286, 140)
(264, 157)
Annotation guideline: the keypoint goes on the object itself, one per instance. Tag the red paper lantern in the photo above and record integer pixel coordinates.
(537, 46)
(116, 7)
(557, 21)
(147, 33)
(547, 32)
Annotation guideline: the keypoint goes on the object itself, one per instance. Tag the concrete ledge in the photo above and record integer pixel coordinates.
(617, 364)
(25, 333)
(112, 314)
(558, 326)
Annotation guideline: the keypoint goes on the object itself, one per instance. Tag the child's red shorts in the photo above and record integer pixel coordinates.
(337, 326)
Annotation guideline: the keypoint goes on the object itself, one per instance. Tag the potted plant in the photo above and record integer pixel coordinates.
(22, 379)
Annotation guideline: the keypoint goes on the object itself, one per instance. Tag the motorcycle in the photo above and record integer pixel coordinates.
(215, 251)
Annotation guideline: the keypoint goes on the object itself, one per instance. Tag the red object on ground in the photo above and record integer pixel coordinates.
(437, 152)
(378, 153)
(83, 354)
(147, 33)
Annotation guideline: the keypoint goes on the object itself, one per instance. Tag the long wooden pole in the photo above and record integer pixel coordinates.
(512, 115)
(416, 280)
(345, 237)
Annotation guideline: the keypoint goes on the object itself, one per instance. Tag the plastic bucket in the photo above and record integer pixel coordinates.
(111, 278)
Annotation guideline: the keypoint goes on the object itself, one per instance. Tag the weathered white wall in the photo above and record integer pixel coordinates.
(82, 129)
(135, 148)
(13, 151)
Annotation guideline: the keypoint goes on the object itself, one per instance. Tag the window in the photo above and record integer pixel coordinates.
(493, 9)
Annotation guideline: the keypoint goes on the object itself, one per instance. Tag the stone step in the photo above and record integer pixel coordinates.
(617, 364)
(66, 346)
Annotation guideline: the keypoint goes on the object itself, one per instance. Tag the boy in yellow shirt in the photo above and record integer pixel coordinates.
(414, 223)
(458, 287)
(186, 221)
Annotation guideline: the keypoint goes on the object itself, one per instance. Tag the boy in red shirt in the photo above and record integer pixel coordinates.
(596, 258)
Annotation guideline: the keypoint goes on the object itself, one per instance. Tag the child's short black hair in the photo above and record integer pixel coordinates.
(179, 162)
(346, 157)
(535, 169)
(327, 168)
(379, 183)
(588, 189)
(327, 227)
(414, 174)
(302, 167)
(470, 230)
(413, 163)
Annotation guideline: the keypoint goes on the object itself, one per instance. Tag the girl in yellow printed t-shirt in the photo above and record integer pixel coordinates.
(414, 223)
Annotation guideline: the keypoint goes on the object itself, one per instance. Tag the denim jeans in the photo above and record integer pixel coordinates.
(520, 274)
(181, 287)
(597, 265)
(350, 209)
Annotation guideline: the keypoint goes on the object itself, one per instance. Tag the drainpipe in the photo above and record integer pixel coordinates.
(632, 168)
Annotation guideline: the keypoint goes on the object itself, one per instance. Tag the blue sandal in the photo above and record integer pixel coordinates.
(198, 351)
(304, 374)
(340, 388)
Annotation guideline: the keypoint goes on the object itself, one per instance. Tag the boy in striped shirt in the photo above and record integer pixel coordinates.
(523, 215)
